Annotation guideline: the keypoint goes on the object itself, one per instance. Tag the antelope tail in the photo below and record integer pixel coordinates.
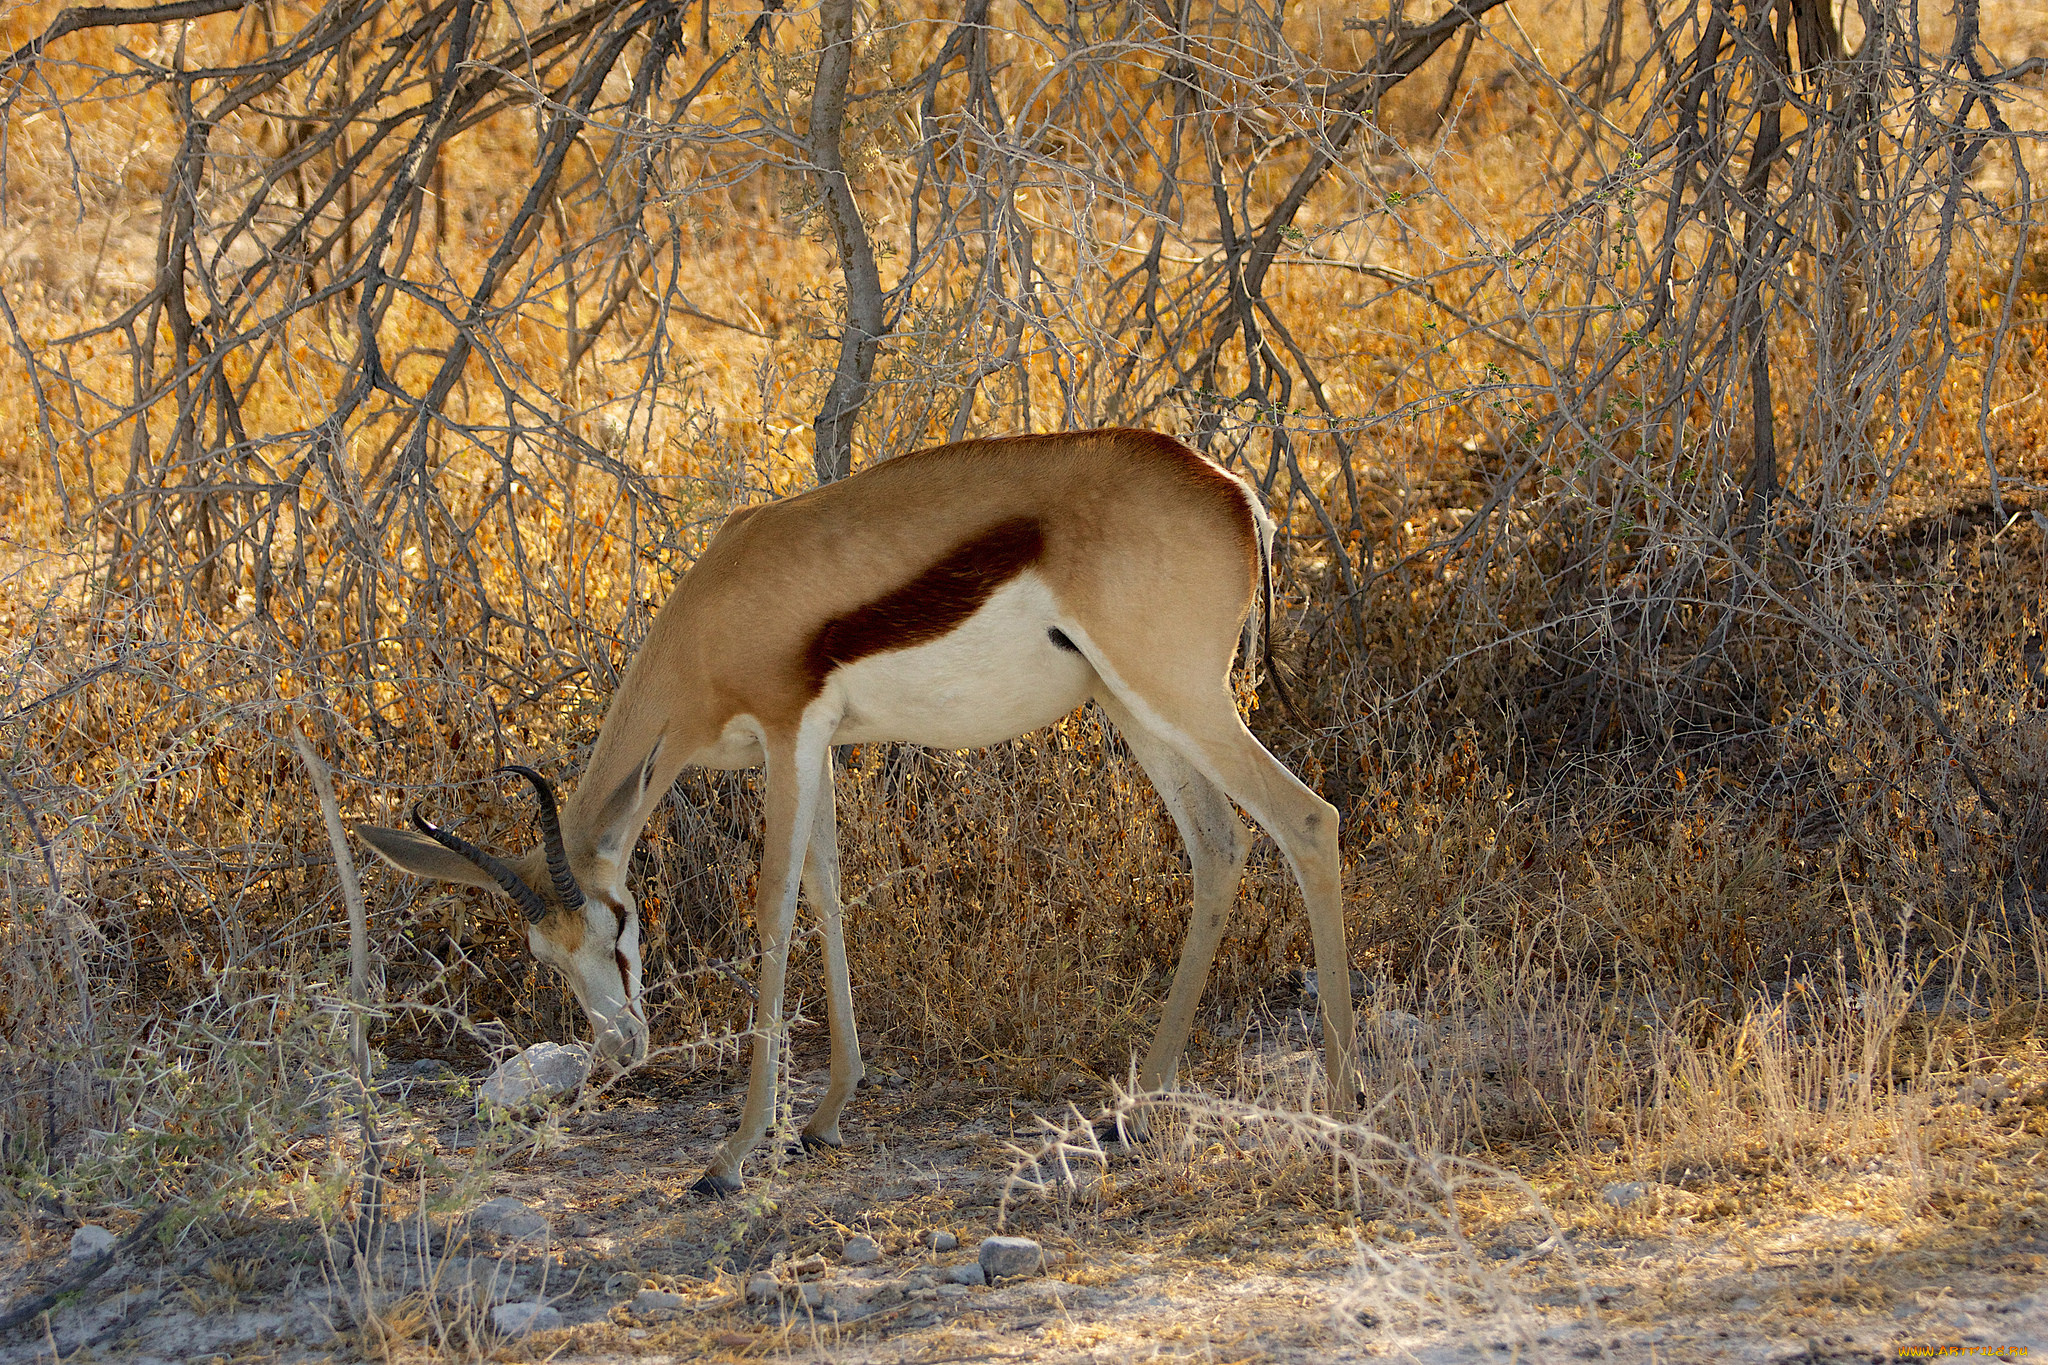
(1258, 627)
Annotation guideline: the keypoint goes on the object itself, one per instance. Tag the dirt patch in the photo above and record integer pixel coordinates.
(1182, 1252)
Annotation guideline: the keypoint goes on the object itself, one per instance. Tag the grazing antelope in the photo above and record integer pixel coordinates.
(954, 597)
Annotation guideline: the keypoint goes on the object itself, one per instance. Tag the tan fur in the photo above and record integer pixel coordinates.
(563, 930)
(1131, 521)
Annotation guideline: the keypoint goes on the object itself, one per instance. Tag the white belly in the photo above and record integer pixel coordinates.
(997, 676)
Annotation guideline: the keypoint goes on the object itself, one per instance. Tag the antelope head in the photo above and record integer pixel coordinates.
(580, 917)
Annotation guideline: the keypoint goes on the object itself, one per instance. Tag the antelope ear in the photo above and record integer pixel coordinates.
(421, 856)
(614, 826)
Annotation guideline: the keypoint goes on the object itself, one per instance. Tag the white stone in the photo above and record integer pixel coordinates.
(968, 1274)
(860, 1251)
(534, 1076)
(650, 1301)
(507, 1217)
(1624, 1193)
(517, 1319)
(945, 1241)
(90, 1241)
(813, 1294)
(763, 1289)
(952, 1291)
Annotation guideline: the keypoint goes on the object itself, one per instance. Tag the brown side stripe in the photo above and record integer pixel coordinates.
(931, 605)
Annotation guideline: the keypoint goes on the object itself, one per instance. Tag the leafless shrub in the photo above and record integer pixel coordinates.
(1629, 393)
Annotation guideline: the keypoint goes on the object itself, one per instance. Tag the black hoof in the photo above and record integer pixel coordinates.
(710, 1186)
(1120, 1132)
(807, 1143)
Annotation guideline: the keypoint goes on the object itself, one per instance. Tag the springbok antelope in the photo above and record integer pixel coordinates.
(954, 597)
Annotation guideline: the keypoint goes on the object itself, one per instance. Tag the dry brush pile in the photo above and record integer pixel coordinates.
(1649, 397)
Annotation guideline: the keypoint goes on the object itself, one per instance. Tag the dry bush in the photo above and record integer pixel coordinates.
(1649, 398)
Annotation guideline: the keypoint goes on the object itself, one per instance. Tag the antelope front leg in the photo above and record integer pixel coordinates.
(791, 803)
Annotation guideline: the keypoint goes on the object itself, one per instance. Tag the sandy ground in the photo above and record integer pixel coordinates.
(1154, 1260)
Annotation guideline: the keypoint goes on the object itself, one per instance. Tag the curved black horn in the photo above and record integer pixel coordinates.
(566, 889)
(522, 895)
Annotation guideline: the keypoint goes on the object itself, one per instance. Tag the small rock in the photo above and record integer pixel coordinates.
(488, 1279)
(1312, 988)
(916, 1282)
(90, 1241)
(517, 1319)
(944, 1241)
(507, 1217)
(1624, 1193)
(1399, 1026)
(624, 1284)
(812, 1294)
(1991, 1091)
(650, 1301)
(849, 1302)
(764, 1289)
(860, 1251)
(534, 1076)
(1747, 1304)
(969, 1274)
(952, 1291)
(1006, 1256)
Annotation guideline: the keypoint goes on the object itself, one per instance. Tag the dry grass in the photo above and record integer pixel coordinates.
(1740, 916)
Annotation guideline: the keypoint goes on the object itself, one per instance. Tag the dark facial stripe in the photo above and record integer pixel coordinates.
(931, 605)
